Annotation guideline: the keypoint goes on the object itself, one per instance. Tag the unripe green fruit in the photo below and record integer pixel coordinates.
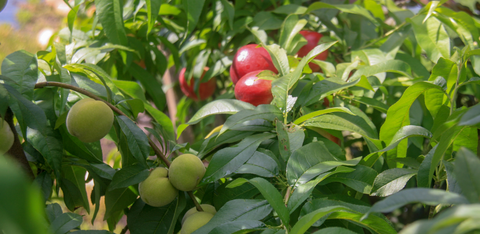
(186, 171)
(89, 120)
(206, 208)
(157, 190)
(195, 221)
(6, 137)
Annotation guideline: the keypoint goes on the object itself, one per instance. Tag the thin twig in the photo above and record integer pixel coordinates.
(197, 205)
(124, 230)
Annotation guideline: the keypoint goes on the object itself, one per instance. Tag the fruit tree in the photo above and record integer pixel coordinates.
(218, 116)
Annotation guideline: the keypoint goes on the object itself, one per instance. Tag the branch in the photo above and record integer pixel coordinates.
(16, 151)
(87, 93)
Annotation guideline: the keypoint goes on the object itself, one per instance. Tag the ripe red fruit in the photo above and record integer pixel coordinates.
(205, 90)
(254, 90)
(250, 58)
(312, 41)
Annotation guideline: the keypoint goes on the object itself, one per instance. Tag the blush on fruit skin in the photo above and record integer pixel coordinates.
(312, 41)
(254, 90)
(205, 90)
(250, 58)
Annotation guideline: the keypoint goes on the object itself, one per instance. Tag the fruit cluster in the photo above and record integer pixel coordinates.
(162, 185)
(251, 61)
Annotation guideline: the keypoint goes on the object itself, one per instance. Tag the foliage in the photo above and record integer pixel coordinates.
(403, 102)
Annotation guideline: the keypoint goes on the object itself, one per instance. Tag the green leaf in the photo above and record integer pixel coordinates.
(303, 191)
(89, 151)
(373, 223)
(471, 117)
(22, 208)
(378, 105)
(343, 122)
(153, 9)
(21, 69)
(282, 86)
(110, 16)
(391, 181)
(457, 219)
(290, 28)
(274, 198)
(446, 139)
(334, 230)
(127, 176)
(143, 218)
(290, 9)
(260, 164)
(66, 222)
(321, 112)
(234, 210)
(466, 174)
(361, 180)
(407, 132)
(151, 85)
(426, 196)
(48, 143)
(136, 139)
(217, 107)
(238, 226)
(398, 113)
(395, 66)
(266, 112)
(194, 9)
(228, 137)
(78, 193)
(347, 8)
(130, 88)
(228, 160)
(71, 17)
(311, 160)
(431, 36)
(117, 200)
(163, 120)
(279, 58)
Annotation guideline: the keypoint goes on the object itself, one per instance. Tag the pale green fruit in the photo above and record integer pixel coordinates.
(195, 221)
(6, 137)
(89, 120)
(157, 190)
(186, 171)
(206, 208)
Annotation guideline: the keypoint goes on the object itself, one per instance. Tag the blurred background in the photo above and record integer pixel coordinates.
(29, 24)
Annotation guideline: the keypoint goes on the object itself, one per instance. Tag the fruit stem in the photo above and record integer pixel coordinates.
(85, 92)
(197, 205)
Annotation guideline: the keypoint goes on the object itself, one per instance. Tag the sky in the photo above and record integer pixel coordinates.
(8, 13)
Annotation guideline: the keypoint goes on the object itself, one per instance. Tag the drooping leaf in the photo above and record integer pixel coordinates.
(20, 68)
(391, 181)
(398, 113)
(128, 176)
(466, 172)
(417, 195)
(111, 17)
(239, 209)
(226, 161)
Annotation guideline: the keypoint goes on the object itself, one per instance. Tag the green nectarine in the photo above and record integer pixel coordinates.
(6, 137)
(89, 120)
(157, 190)
(186, 171)
(206, 208)
(195, 221)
